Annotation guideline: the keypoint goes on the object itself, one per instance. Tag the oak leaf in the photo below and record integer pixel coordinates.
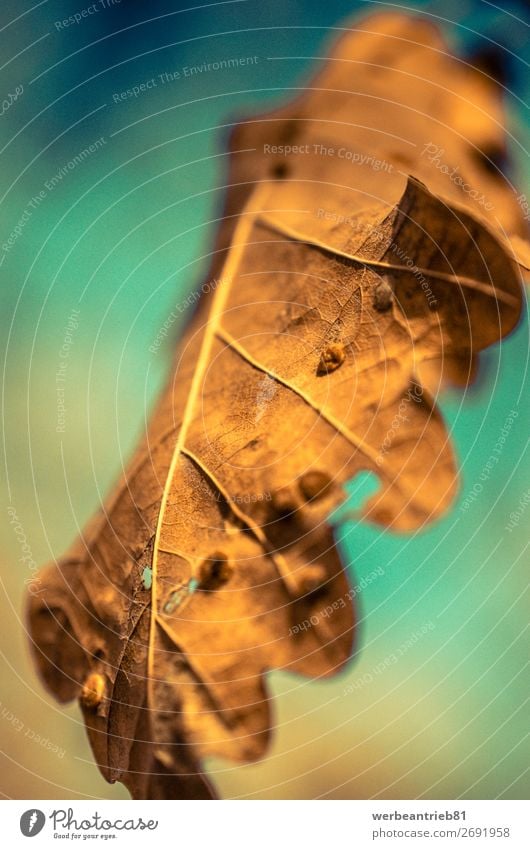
(353, 276)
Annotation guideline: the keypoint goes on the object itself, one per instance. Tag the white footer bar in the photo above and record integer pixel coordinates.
(267, 824)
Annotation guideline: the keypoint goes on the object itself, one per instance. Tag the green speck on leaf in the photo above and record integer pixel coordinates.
(147, 577)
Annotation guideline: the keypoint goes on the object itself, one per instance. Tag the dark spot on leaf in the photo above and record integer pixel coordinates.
(215, 571)
(331, 358)
(313, 485)
(93, 691)
(492, 159)
(494, 60)
(280, 171)
(401, 158)
(383, 296)
(311, 581)
(284, 501)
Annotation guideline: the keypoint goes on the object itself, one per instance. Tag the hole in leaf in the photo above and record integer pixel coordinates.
(215, 571)
(313, 485)
(280, 171)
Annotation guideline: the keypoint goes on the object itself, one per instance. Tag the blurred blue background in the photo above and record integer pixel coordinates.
(111, 208)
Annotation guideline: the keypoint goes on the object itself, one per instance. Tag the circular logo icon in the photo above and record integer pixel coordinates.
(32, 822)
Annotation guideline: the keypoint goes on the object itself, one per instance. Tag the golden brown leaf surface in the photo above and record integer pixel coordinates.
(347, 291)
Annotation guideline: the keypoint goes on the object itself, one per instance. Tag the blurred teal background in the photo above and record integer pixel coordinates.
(101, 257)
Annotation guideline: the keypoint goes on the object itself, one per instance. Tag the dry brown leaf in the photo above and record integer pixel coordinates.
(346, 293)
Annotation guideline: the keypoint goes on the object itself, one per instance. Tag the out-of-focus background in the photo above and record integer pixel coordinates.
(108, 210)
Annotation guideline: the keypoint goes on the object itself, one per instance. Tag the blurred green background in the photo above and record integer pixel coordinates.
(101, 256)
